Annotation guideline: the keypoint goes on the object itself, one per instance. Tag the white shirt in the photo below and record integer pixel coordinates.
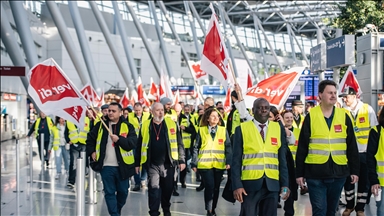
(110, 154)
(371, 116)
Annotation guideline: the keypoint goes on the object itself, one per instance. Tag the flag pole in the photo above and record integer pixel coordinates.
(239, 96)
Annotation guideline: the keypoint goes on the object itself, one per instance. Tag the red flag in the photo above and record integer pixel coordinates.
(164, 87)
(132, 101)
(124, 100)
(275, 89)
(101, 101)
(349, 80)
(198, 74)
(214, 60)
(90, 94)
(54, 93)
(249, 81)
(153, 92)
(176, 99)
(75, 114)
(227, 102)
(141, 95)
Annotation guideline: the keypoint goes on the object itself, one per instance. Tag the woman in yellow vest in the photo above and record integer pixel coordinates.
(375, 162)
(59, 146)
(212, 155)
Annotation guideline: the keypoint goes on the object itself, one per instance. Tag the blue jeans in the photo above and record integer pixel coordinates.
(324, 195)
(115, 189)
(61, 155)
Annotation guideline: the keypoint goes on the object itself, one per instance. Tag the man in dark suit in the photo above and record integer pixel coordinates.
(259, 168)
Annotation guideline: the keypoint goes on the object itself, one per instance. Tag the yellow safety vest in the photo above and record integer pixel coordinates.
(325, 142)
(49, 123)
(172, 137)
(235, 121)
(361, 125)
(293, 147)
(78, 136)
(212, 151)
(172, 116)
(260, 157)
(301, 122)
(380, 157)
(127, 156)
(135, 122)
(186, 136)
(56, 138)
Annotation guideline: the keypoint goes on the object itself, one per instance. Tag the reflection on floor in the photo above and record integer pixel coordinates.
(47, 196)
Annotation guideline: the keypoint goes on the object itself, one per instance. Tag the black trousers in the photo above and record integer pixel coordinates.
(46, 144)
(362, 189)
(261, 202)
(73, 155)
(160, 187)
(212, 179)
(183, 173)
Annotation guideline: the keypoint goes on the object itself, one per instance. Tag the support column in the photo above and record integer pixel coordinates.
(197, 17)
(67, 40)
(78, 23)
(261, 46)
(193, 28)
(301, 49)
(319, 41)
(336, 70)
(107, 35)
(143, 38)
(267, 40)
(289, 30)
(125, 40)
(183, 52)
(11, 45)
(163, 46)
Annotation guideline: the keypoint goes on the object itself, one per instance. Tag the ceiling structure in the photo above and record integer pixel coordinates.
(304, 17)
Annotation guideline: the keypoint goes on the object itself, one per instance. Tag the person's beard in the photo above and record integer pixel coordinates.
(158, 119)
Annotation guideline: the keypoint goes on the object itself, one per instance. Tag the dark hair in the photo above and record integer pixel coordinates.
(326, 83)
(116, 104)
(205, 117)
(218, 102)
(311, 103)
(57, 119)
(381, 117)
(138, 104)
(285, 112)
(219, 108)
(274, 110)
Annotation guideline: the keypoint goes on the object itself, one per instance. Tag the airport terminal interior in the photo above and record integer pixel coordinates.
(116, 46)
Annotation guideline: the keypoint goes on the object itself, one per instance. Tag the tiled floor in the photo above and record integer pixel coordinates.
(47, 196)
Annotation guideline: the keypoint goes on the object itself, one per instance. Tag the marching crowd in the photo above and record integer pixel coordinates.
(268, 154)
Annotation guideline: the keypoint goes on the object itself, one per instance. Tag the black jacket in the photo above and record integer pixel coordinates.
(373, 146)
(329, 169)
(256, 185)
(180, 147)
(190, 129)
(127, 143)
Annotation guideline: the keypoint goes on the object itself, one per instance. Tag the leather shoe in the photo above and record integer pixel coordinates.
(136, 188)
(200, 188)
(175, 193)
(184, 185)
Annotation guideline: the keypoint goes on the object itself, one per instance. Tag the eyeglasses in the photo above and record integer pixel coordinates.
(112, 111)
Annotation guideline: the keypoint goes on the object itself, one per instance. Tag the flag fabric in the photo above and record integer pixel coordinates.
(176, 99)
(214, 60)
(165, 87)
(132, 101)
(90, 94)
(349, 80)
(141, 95)
(249, 81)
(124, 100)
(153, 92)
(197, 73)
(54, 93)
(227, 102)
(101, 101)
(276, 89)
(197, 100)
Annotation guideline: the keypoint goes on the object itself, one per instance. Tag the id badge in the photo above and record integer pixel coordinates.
(356, 129)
